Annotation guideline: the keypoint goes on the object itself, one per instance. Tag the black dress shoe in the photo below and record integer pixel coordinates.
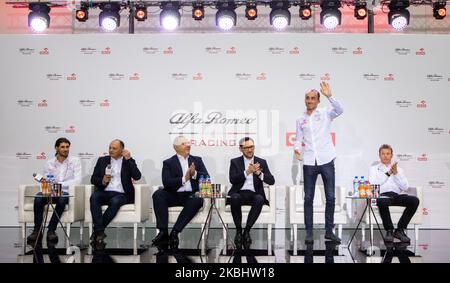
(332, 237)
(173, 240)
(309, 238)
(247, 241)
(238, 239)
(161, 239)
(52, 237)
(100, 236)
(33, 236)
(400, 234)
(389, 237)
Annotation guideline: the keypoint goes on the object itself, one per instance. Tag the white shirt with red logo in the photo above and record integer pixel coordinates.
(66, 173)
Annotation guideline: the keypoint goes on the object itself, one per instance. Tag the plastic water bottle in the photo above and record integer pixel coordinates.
(201, 183)
(362, 188)
(356, 187)
(208, 186)
(50, 181)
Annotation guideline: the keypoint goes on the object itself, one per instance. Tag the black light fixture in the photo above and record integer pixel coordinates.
(140, 13)
(39, 18)
(398, 16)
(251, 11)
(280, 17)
(170, 16)
(109, 17)
(330, 16)
(198, 11)
(439, 10)
(226, 16)
(360, 10)
(82, 13)
(305, 11)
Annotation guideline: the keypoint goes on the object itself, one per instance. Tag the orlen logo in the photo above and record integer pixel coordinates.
(44, 51)
(389, 77)
(425, 211)
(358, 51)
(231, 50)
(134, 77)
(422, 104)
(294, 51)
(325, 77)
(106, 51)
(420, 52)
(105, 103)
(43, 103)
(72, 77)
(261, 77)
(41, 156)
(422, 157)
(168, 51)
(290, 138)
(70, 130)
(197, 77)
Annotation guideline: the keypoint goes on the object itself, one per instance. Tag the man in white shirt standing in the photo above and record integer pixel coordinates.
(66, 170)
(392, 183)
(318, 154)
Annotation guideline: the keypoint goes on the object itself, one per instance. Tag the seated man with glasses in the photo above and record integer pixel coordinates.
(247, 175)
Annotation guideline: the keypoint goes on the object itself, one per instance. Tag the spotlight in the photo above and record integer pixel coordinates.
(198, 11)
(360, 10)
(330, 16)
(439, 11)
(398, 16)
(226, 16)
(280, 17)
(251, 12)
(82, 14)
(140, 13)
(305, 11)
(109, 18)
(38, 18)
(169, 18)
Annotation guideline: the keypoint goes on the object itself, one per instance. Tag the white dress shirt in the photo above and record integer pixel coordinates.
(66, 173)
(115, 185)
(186, 184)
(249, 185)
(315, 132)
(395, 183)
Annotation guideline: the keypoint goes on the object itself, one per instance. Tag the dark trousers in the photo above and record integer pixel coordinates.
(410, 202)
(310, 174)
(163, 199)
(246, 197)
(39, 205)
(113, 200)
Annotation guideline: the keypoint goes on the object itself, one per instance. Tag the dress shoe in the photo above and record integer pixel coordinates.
(33, 236)
(173, 240)
(389, 237)
(247, 240)
(400, 234)
(332, 237)
(161, 239)
(52, 237)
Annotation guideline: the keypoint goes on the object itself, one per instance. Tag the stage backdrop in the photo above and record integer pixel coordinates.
(216, 88)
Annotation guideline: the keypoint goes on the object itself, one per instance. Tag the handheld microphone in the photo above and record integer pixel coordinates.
(38, 177)
(108, 170)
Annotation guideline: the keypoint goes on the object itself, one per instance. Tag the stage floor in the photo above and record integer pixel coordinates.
(433, 247)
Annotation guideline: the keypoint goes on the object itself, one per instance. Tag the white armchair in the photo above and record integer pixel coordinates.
(73, 212)
(267, 216)
(296, 209)
(174, 211)
(396, 213)
(137, 212)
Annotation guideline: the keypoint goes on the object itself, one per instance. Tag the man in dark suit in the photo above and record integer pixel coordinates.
(247, 175)
(113, 180)
(180, 175)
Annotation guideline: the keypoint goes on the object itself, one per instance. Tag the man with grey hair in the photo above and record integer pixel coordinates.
(180, 175)
(247, 175)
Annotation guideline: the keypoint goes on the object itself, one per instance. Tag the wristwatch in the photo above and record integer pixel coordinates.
(387, 174)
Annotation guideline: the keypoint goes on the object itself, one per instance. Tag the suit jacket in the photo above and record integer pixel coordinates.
(172, 173)
(128, 173)
(237, 177)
